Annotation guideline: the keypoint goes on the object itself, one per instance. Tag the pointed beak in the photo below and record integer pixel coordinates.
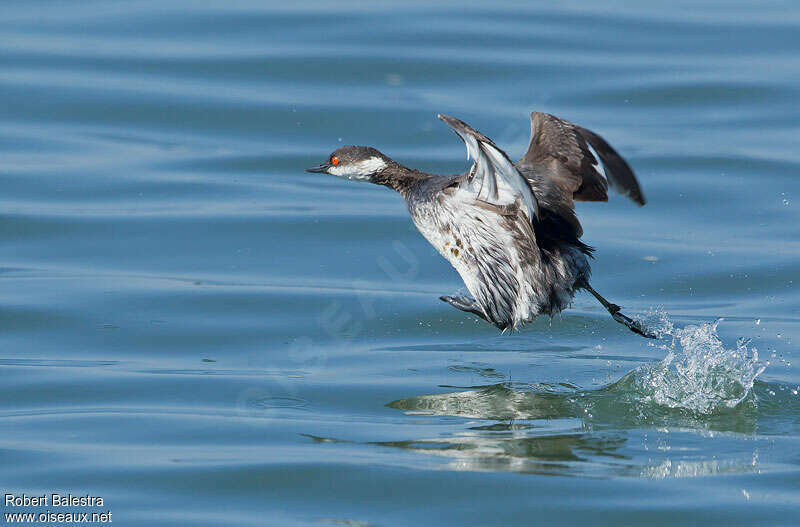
(321, 168)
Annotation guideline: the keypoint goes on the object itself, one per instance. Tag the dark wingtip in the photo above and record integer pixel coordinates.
(634, 196)
(620, 174)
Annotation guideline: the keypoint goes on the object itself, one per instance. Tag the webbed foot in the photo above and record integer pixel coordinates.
(633, 325)
(614, 311)
(464, 303)
(470, 305)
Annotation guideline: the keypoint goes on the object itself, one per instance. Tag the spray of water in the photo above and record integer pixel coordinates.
(698, 373)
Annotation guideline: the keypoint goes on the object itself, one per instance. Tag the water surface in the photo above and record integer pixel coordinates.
(203, 334)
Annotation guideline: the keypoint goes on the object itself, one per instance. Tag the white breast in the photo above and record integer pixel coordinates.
(473, 239)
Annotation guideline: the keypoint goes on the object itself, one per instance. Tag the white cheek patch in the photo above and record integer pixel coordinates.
(359, 171)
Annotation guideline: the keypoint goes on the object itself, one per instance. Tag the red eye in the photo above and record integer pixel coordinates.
(334, 160)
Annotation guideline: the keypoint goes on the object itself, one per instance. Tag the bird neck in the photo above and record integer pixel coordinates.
(397, 177)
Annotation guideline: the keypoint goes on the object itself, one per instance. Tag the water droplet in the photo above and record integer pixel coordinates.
(786, 202)
(394, 79)
(758, 321)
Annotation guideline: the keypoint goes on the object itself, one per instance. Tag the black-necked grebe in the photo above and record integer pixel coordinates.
(510, 230)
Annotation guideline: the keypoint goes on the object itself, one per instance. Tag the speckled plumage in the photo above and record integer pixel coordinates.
(494, 250)
(508, 229)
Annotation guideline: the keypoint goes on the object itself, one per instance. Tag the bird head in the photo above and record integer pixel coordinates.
(359, 163)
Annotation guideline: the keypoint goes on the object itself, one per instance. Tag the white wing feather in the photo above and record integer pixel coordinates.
(493, 178)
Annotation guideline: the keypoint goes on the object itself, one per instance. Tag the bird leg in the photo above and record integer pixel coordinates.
(470, 305)
(465, 303)
(614, 310)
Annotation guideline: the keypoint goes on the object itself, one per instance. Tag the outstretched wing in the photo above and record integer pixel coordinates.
(493, 178)
(568, 154)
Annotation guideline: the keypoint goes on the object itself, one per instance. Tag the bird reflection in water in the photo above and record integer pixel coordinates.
(553, 430)
(569, 432)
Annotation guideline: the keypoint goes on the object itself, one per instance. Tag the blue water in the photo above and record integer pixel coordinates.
(201, 333)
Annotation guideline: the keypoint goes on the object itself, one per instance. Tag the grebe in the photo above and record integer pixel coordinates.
(509, 229)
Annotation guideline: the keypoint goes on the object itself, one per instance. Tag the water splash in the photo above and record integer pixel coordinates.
(699, 373)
